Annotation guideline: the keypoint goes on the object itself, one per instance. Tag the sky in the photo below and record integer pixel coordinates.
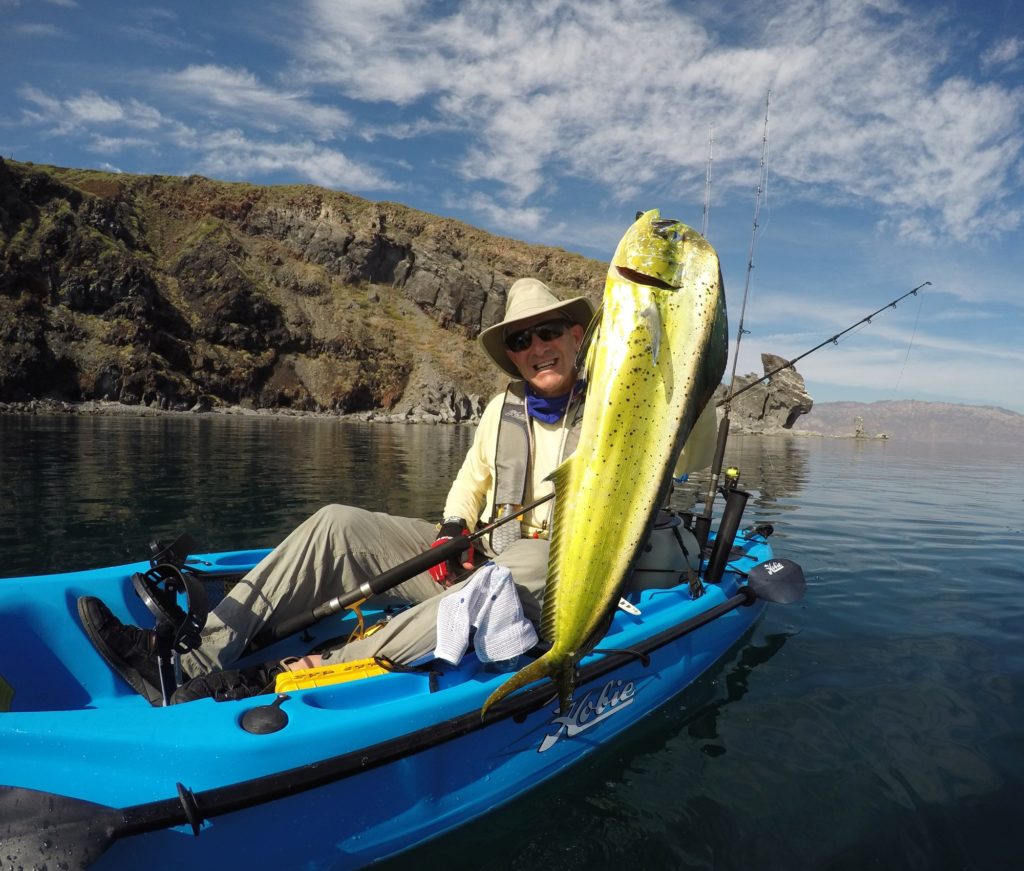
(837, 153)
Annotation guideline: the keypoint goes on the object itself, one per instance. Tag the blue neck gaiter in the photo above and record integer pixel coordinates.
(550, 409)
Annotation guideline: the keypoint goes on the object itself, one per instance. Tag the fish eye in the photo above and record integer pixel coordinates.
(666, 229)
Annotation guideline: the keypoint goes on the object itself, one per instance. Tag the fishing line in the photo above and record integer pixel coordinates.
(913, 335)
(707, 182)
(702, 528)
(832, 340)
(762, 180)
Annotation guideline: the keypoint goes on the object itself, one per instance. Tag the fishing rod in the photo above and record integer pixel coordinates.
(762, 183)
(707, 183)
(703, 522)
(833, 340)
(390, 578)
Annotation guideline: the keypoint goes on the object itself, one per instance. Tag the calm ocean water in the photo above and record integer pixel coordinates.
(877, 724)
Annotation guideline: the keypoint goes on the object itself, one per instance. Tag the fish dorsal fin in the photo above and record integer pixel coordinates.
(560, 478)
(585, 355)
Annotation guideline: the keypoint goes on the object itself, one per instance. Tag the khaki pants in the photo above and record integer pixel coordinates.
(333, 552)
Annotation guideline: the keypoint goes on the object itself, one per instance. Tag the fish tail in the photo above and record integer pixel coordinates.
(548, 665)
(566, 681)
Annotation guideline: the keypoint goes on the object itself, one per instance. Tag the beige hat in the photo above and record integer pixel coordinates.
(528, 298)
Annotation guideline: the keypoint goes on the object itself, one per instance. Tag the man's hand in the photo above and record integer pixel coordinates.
(446, 573)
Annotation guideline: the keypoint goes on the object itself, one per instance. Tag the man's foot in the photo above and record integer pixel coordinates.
(129, 650)
(228, 686)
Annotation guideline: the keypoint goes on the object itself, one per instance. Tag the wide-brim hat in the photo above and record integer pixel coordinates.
(528, 298)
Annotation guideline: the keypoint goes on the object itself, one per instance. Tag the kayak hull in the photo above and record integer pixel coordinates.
(361, 771)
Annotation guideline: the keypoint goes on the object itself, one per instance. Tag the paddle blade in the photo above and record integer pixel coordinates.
(780, 581)
(39, 829)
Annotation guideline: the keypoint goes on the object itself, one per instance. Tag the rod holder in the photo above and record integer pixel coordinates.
(735, 503)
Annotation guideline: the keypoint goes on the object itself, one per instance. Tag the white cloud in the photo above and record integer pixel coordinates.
(622, 93)
(518, 221)
(92, 108)
(115, 144)
(238, 94)
(1004, 53)
(67, 4)
(89, 109)
(230, 153)
(113, 126)
(956, 378)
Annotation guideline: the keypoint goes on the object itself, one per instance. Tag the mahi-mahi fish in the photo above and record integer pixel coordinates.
(658, 354)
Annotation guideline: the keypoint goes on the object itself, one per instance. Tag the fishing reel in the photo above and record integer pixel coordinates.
(178, 629)
(731, 481)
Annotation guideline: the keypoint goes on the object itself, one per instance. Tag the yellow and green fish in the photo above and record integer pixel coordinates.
(658, 354)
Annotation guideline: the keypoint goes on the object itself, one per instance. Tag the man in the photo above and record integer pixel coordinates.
(522, 437)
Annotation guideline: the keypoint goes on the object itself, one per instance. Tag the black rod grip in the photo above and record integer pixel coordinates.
(702, 527)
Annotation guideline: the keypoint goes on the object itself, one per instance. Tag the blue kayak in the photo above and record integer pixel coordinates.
(92, 775)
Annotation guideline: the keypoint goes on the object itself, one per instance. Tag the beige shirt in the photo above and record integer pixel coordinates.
(471, 495)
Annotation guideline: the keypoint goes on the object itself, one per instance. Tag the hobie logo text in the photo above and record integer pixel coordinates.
(614, 697)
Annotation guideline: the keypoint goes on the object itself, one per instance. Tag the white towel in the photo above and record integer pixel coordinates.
(489, 603)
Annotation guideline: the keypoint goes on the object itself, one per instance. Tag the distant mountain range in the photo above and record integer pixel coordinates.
(910, 420)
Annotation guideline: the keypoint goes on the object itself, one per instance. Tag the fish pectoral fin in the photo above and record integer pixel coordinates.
(651, 318)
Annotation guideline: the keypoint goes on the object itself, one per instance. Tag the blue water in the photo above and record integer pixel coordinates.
(877, 724)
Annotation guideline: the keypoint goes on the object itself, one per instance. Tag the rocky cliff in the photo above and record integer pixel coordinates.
(180, 293)
(166, 292)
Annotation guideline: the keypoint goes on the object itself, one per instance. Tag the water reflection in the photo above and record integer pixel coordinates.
(77, 492)
(703, 724)
(80, 492)
(774, 469)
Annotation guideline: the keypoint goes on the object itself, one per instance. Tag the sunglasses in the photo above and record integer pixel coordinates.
(522, 339)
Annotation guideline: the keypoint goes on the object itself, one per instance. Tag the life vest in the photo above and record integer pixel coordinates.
(513, 455)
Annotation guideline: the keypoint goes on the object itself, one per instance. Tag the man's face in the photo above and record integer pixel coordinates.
(548, 366)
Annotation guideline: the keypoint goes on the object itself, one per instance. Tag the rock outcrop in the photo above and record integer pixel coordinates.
(772, 405)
